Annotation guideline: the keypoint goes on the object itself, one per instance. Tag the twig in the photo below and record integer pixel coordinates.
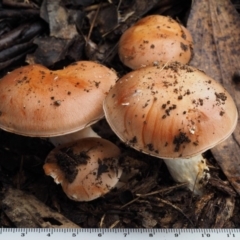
(102, 220)
(173, 206)
(93, 22)
(162, 190)
(153, 193)
(114, 224)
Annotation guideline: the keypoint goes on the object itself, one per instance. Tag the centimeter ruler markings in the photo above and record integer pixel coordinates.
(116, 234)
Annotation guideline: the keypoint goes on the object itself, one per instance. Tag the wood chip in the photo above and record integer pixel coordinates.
(24, 210)
(203, 201)
(225, 213)
(223, 186)
(61, 20)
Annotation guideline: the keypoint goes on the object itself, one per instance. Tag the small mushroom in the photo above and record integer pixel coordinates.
(154, 39)
(38, 102)
(174, 112)
(86, 169)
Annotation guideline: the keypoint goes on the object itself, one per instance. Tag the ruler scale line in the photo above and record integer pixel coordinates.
(117, 234)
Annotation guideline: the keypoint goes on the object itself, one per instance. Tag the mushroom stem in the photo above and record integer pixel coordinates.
(84, 133)
(193, 171)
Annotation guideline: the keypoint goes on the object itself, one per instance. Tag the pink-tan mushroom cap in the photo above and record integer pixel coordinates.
(86, 169)
(170, 111)
(155, 38)
(38, 102)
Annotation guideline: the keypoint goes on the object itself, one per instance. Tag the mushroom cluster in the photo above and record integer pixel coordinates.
(154, 39)
(38, 102)
(163, 108)
(174, 112)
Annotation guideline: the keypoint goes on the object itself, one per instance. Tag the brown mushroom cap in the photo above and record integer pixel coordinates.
(155, 38)
(171, 111)
(35, 101)
(86, 169)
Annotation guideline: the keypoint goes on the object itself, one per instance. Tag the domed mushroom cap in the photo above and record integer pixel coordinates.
(35, 101)
(86, 169)
(155, 38)
(171, 111)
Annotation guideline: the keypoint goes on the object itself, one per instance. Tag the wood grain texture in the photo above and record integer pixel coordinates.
(215, 27)
(24, 210)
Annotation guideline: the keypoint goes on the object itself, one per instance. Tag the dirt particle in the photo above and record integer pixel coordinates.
(103, 168)
(68, 162)
(183, 46)
(57, 103)
(222, 113)
(97, 84)
(180, 97)
(195, 143)
(150, 147)
(180, 139)
(133, 140)
(200, 101)
(220, 97)
(145, 105)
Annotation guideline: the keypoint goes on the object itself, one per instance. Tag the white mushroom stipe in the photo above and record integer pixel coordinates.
(84, 133)
(193, 171)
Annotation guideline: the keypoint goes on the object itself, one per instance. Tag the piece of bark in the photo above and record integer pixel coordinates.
(201, 204)
(223, 186)
(18, 13)
(225, 212)
(18, 58)
(24, 210)
(22, 33)
(19, 4)
(61, 20)
(107, 19)
(15, 50)
(214, 25)
(50, 50)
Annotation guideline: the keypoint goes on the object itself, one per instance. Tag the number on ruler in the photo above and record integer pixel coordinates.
(230, 235)
(206, 235)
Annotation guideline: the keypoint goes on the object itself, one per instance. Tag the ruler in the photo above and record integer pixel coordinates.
(116, 234)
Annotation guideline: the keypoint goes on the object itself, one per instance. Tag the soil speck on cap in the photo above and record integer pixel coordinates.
(180, 139)
(68, 162)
